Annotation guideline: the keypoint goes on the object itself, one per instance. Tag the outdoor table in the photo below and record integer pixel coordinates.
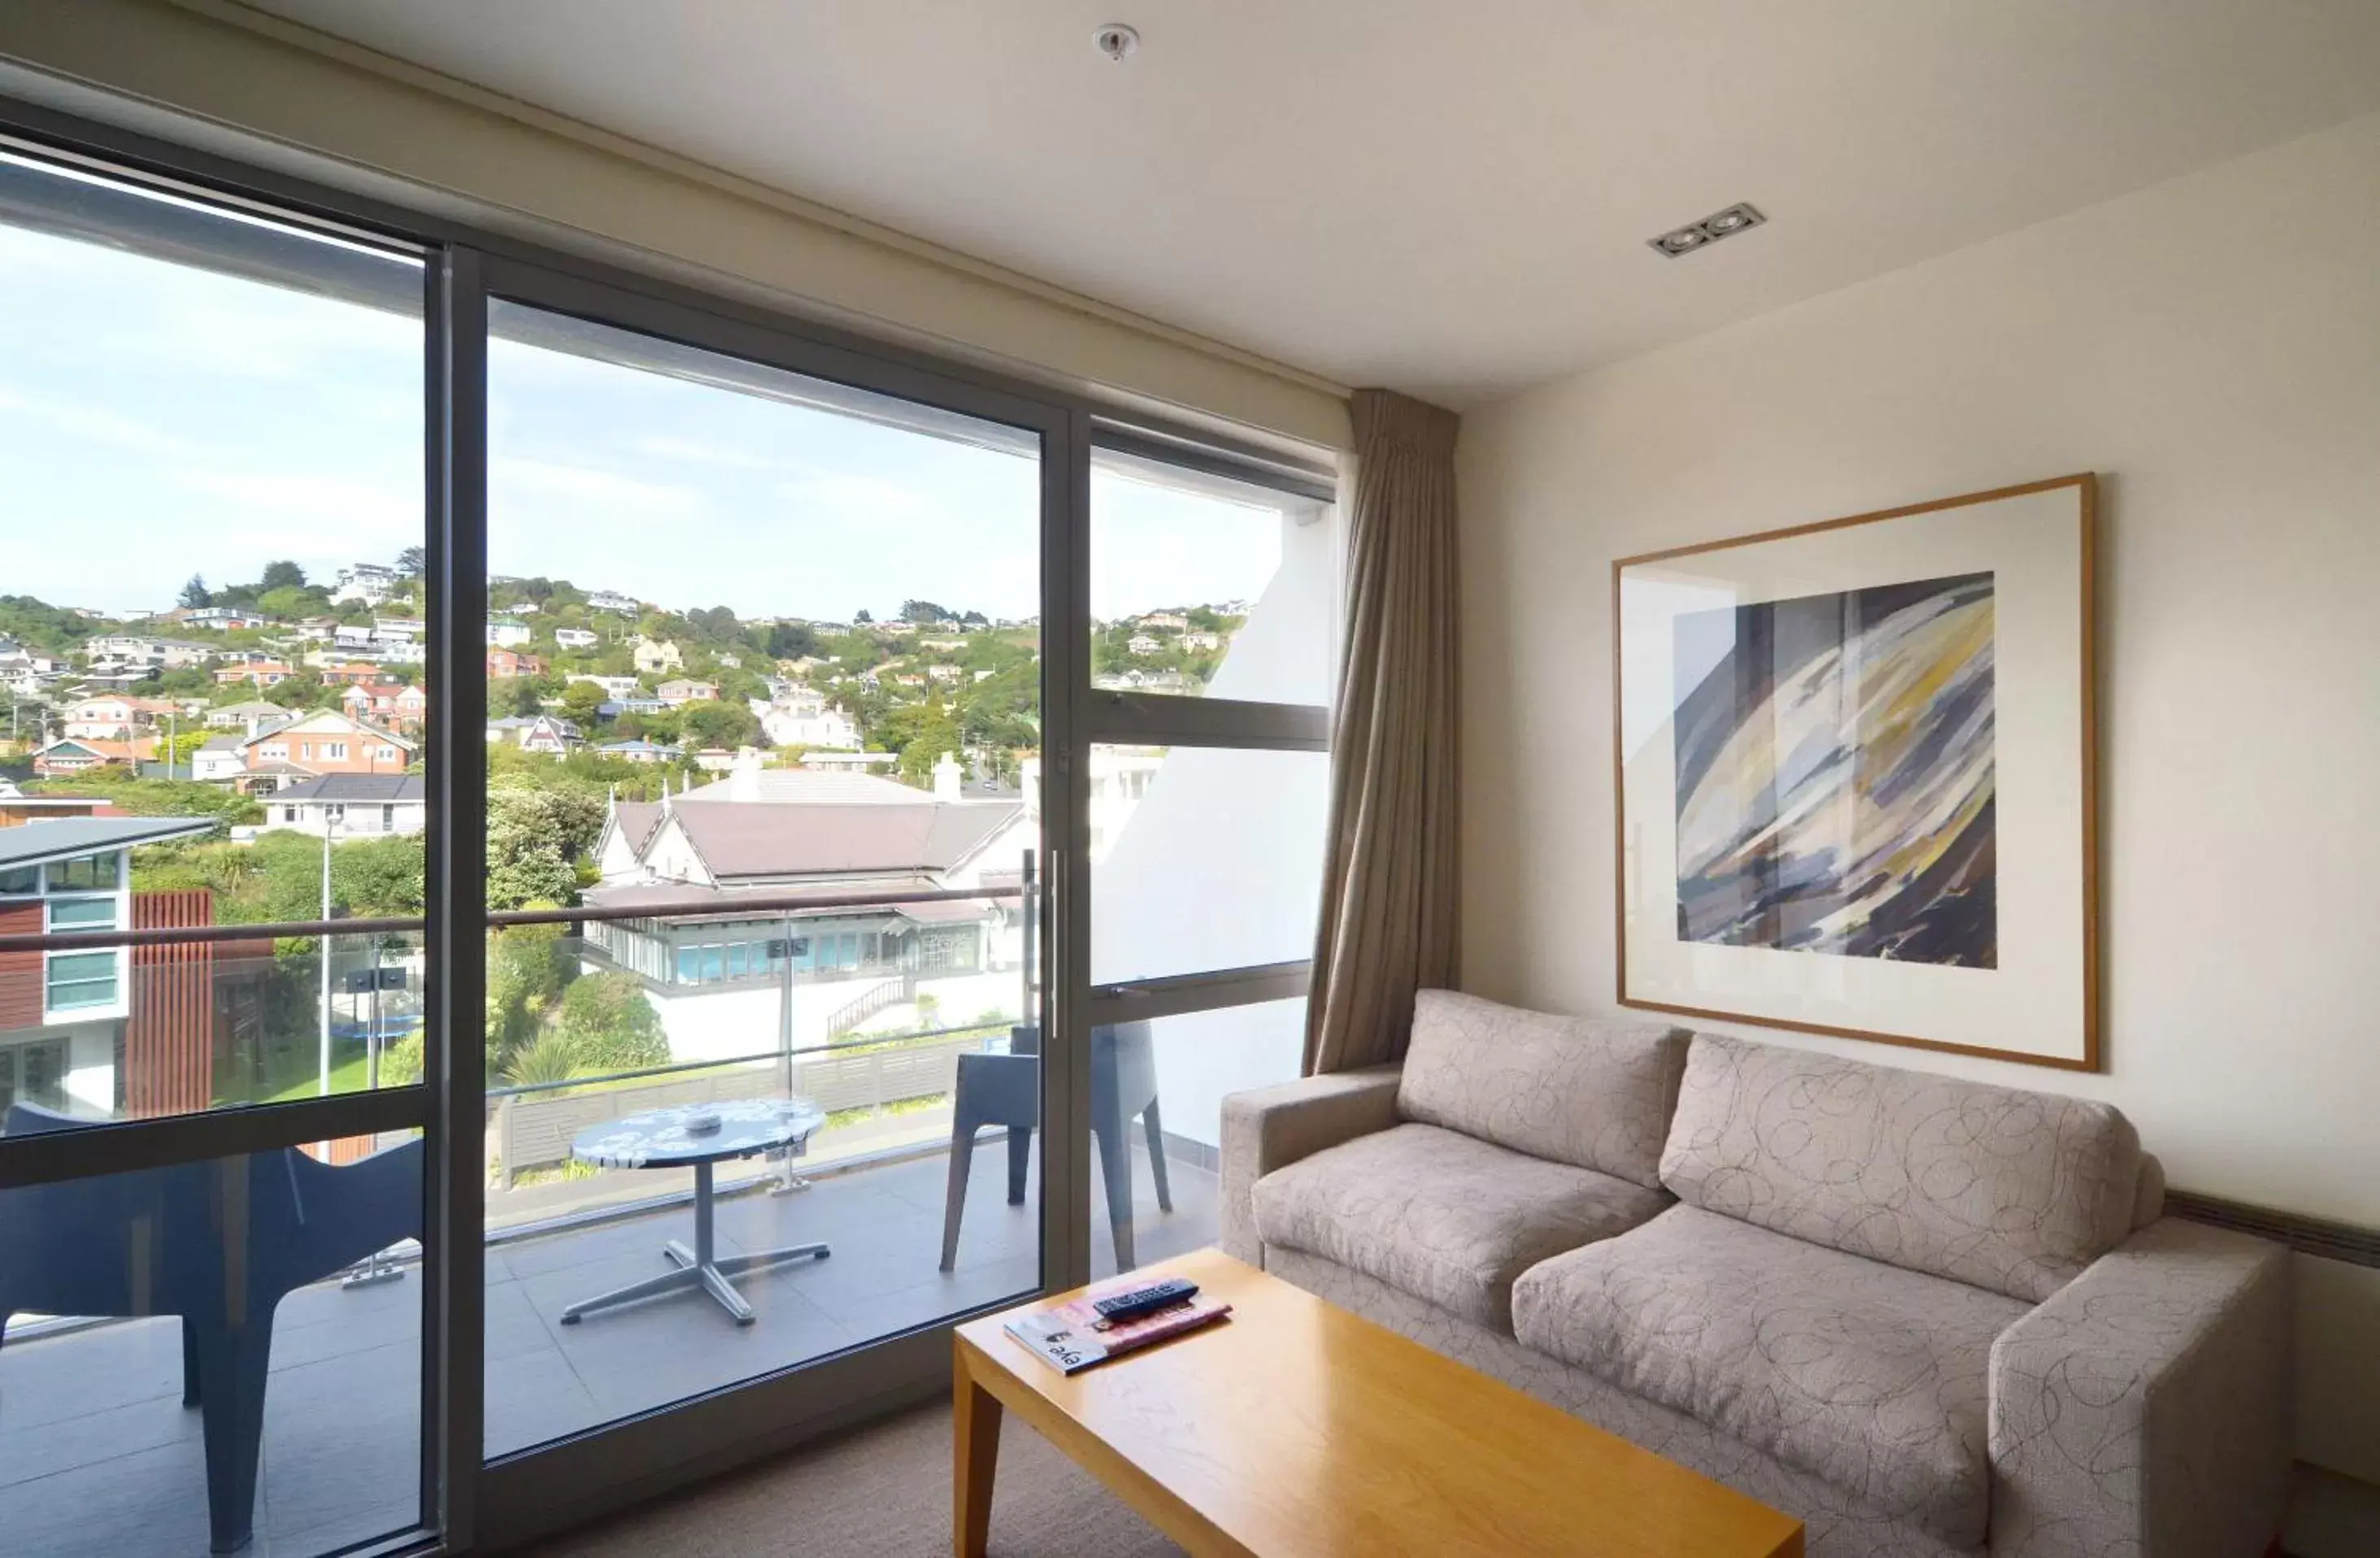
(659, 1139)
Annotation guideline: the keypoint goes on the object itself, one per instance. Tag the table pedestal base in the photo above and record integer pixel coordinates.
(699, 1267)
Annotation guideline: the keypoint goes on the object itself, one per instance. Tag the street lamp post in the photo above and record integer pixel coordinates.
(330, 826)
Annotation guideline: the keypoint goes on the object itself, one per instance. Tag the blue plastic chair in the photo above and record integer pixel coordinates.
(218, 1243)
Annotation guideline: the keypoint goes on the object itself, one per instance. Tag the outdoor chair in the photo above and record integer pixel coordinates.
(995, 1090)
(218, 1243)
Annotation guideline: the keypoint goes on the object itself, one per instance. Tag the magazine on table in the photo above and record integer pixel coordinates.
(1071, 1337)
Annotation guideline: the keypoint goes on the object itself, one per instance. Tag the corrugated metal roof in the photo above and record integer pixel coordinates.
(342, 787)
(758, 840)
(34, 843)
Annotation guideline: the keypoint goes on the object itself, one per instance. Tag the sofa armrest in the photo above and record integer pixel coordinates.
(2144, 1408)
(1265, 1128)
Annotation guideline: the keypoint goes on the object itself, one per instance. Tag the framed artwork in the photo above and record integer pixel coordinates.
(1855, 775)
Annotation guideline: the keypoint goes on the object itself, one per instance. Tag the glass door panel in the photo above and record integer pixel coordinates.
(764, 692)
(210, 447)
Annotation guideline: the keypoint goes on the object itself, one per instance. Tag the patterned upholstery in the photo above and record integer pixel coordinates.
(1442, 1216)
(1863, 1374)
(1265, 1128)
(2012, 1191)
(2145, 1408)
(1836, 1523)
(1595, 1094)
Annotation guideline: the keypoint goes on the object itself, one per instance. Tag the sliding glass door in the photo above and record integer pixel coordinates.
(583, 869)
(764, 815)
(213, 1186)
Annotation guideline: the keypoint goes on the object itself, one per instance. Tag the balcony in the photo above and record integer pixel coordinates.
(98, 1454)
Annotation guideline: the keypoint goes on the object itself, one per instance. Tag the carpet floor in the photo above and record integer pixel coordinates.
(883, 1490)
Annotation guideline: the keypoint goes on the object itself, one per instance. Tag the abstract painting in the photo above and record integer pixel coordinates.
(1834, 774)
(1855, 764)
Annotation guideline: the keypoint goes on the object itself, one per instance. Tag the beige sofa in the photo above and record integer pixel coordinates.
(1926, 1316)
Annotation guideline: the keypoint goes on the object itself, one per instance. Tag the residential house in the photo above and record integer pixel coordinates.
(549, 735)
(316, 630)
(729, 660)
(258, 673)
(655, 655)
(366, 584)
(328, 741)
(354, 673)
(1141, 643)
(612, 600)
(574, 638)
(805, 721)
(351, 806)
(641, 751)
(245, 716)
(946, 674)
(79, 1029)
(507, 632)
(116, 717)
(220, 619)
(613, 708)
(1201, 641)
(504, 664)
(220, 760)
(352, 638)
(897, 628)
(613, 686)
(398, 707)
(779, 832)
(1164, 622)
(72, 755)
(685, 690)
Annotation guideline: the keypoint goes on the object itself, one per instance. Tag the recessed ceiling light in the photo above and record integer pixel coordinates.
(1735, 219)
(1116, 40)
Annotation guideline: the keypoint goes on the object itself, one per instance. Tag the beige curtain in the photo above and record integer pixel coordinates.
(1388, 885)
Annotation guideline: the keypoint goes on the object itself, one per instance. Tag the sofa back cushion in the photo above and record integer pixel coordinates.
(2005, 1189)
(1593, 1094)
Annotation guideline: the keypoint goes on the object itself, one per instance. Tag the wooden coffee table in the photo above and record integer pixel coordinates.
(1294, 1427)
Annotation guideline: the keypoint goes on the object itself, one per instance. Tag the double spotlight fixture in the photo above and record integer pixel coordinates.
(1741, 217)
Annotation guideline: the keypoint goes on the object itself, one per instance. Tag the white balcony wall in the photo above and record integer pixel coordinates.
(1219, 864)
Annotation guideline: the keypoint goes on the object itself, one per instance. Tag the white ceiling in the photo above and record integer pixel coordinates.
(1448, 198)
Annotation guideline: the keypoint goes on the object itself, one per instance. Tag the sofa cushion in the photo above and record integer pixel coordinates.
(2010, 1190)
(1443, 1216)
(1866, 1375)
(1593, 1093)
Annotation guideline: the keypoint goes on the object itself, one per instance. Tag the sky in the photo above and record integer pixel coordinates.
(159, 420)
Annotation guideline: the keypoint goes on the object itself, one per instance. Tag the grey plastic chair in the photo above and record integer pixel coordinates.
(152, 1242)
(1007, 1090)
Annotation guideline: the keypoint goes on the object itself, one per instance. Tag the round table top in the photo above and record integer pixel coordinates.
(658, 1137)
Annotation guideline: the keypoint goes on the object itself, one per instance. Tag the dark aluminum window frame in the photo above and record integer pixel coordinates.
(466, 1501)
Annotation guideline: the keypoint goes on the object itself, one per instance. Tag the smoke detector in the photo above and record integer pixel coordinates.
(1740, 217)
(1116, 40)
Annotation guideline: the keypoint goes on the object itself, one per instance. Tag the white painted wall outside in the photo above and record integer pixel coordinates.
(2208, 346)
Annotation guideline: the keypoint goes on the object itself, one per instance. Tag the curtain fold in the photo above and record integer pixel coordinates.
(1389, 884)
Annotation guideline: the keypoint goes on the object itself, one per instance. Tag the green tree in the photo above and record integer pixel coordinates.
(716, 724)
(536, 831)
(550, 1057)
(194, 592)
(413, 562)
(302, 691)
(281, 574)
(609, 1025)
(528, 967)
(290, 600)
(581, 701)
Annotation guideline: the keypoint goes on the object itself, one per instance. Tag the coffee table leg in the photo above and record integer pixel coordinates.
(974, 1449)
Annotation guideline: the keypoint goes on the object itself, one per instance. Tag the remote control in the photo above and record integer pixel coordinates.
(1145, 1300)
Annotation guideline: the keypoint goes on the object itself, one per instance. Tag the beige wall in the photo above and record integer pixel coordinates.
(351, 118)
(2212, 347)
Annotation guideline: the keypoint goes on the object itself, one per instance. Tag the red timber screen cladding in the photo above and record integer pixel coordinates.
(20, 972)
(169, 1040)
